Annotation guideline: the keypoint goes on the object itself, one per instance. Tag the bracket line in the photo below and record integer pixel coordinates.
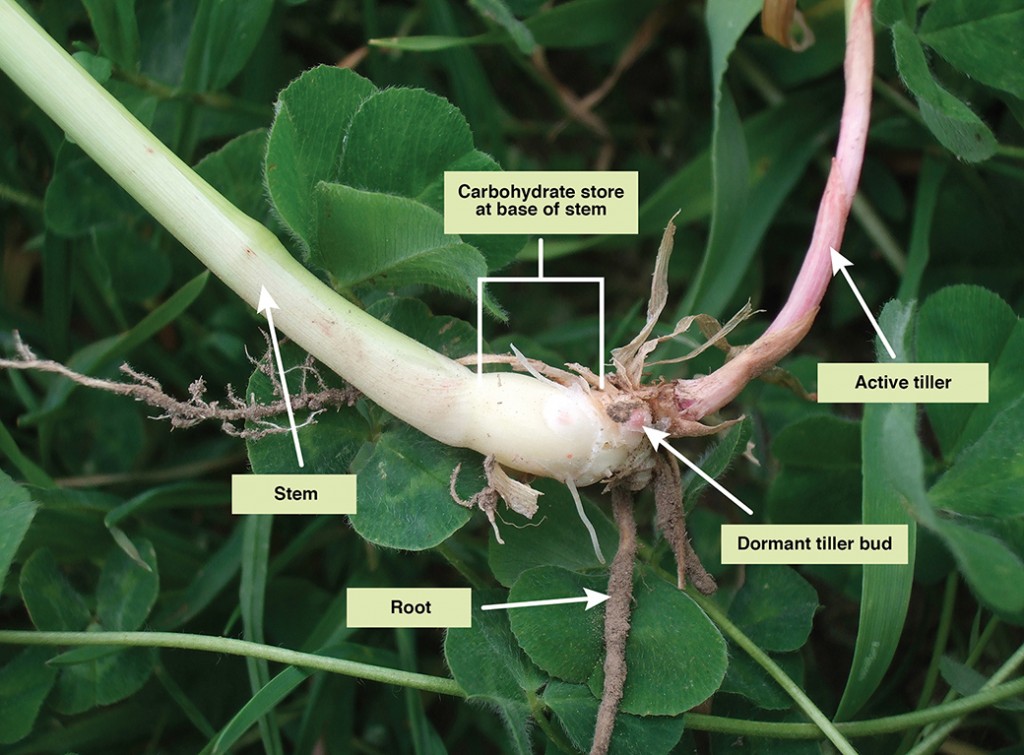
(480, 282)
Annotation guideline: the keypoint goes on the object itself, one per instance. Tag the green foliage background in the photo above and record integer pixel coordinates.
(110, 522)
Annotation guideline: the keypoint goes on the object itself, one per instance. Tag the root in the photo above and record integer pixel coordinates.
(616, 620)
(670, 517)
(699, 576)
(586, 522)
(672, 522)
(197, 409)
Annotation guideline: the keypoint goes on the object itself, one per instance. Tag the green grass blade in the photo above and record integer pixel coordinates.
(928, 184)
(470, 86)
(32, 473)
(220, 568)
(327, 638)
(726, 20)
(885, 591)
(259, 708)
(181, 697)
(252, 594)
(419, 725)
(434, 43)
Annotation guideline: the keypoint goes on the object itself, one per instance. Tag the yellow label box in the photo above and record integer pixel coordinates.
(814, 543)
(906, 383)
(415, 607)
(541, 202)
(293, 494)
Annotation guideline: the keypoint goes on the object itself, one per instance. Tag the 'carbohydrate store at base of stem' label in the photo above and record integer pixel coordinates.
(541, 202)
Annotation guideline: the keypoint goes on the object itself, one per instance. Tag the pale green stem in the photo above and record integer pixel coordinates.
(984, 698)
(887, 725)
(1010, 150)
(236, 248)
(18, 197)
(821, 722)
(229, 646)
(791, 688)
(935, 738)
(982, 642)
(524, 423)
(938, 647)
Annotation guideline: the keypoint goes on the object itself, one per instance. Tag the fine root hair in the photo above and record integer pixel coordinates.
(233, 412)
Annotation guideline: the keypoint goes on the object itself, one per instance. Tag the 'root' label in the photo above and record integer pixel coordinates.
(416, 607)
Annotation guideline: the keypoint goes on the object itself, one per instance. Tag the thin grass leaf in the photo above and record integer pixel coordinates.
(471, 86)
(165, 496)
(418, 723)
(928, 184)
(328, 637)
(780, 142)
(32, 473)
(171, 496)
(498, 12)
(184, 702)
(259, 708)
(265, 700)
(218, 571)
(588, 23)
(885, 591)
(330, 717)
(252, 600)
(726, 20)
(434, 43)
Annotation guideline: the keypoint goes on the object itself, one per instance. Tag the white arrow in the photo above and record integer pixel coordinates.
(657, 438)
(839, 262)
(268, 305)
(592, 598)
